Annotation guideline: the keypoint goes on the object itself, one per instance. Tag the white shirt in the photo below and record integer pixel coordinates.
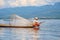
(35, 21)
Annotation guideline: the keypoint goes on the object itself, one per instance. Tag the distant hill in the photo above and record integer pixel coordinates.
(47, 11)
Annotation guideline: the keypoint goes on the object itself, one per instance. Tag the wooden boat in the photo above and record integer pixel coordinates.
(17, 26)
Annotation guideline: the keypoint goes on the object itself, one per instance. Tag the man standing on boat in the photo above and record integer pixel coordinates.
(36, 22)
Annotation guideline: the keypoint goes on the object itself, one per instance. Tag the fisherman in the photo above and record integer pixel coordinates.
(36, 23)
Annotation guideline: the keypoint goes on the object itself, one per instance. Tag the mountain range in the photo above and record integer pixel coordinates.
(46, 11)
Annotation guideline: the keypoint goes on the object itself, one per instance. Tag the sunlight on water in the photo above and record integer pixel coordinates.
(49, 30)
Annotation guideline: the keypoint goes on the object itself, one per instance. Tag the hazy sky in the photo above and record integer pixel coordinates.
(20, 3)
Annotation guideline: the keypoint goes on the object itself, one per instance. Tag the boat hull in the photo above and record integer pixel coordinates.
(17, 26)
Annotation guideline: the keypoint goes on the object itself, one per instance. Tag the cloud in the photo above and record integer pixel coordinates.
(2, 3)
(53, 0)
(13, 3)
(23, 2)
(42, 2)
(32, 2)
(18, 3)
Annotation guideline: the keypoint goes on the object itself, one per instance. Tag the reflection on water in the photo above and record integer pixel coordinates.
(18, 34)
(49, 30)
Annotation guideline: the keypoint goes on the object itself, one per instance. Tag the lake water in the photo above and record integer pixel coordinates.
(49, 30)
